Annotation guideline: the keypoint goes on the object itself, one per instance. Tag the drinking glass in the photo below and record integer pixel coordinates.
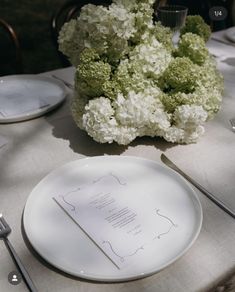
(172, 16)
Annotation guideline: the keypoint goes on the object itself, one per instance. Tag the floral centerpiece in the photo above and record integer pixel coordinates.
(131, 81)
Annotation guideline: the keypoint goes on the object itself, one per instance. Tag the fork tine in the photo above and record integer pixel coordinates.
(4, 231)
(3, 221)
(1, 227)
(4, 227)
(232, 121)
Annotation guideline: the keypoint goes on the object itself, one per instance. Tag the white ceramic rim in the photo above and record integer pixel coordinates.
(91, 276)
(38, 112)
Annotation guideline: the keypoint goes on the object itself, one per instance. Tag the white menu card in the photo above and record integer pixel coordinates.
(117, 223)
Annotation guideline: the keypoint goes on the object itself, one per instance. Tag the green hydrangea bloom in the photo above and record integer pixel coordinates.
(209, 77)
(111, 89)
(122, 76)
(207, 93)
(180, 75)
(196, 24)
(193, 47)
(209, 100)
(129, 77)
(91, 76)
(89, 55)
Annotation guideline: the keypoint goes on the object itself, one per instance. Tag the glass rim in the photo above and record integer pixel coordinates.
(172, 8)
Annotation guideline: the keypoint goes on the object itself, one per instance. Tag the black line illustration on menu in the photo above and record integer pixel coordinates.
(74, 208)
(171, 225)
(122, 258)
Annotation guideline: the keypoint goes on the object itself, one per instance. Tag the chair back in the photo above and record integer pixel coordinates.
(15, 64)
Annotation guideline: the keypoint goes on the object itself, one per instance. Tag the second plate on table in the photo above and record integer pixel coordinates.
(23, 97)
(230, 34)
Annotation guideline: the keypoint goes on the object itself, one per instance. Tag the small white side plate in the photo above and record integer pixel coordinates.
(63, 244)
(230, 34)
(23, 97)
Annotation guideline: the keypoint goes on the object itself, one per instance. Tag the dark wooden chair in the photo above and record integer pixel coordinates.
(16, 61)
(70, 9)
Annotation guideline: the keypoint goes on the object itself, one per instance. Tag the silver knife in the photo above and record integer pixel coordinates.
(223, 41)
(209, 195)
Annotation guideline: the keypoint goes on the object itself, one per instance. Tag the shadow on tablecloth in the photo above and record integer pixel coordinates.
(226, 285)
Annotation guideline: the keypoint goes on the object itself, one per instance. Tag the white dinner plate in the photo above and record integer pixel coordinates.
(23, 97)
(62, 243)
(230, 34)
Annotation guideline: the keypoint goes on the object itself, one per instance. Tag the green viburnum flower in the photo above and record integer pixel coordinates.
(111, 89)
(130, 76)
(195, 24)
(180, 75)
(131, 81)
(193, 47)
(208, 91)
(88, 55)
(91, 76)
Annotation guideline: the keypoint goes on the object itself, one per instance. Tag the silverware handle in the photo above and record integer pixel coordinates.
(223, 42)
(214, 199)
(20, 266)
(69, 85)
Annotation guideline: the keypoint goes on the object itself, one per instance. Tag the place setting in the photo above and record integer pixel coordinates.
(106, 218)
(101, 224)
(154, 75)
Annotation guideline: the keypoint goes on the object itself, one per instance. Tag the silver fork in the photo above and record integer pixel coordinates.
(4, 232)
(232, 121)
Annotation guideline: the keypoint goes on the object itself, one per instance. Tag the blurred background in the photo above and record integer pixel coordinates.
(28, 29)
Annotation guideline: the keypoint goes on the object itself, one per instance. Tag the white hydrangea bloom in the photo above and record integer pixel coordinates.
(69, 41)
(140, 110)
(189, 121)
(188, 117)
(100, 124)
(122, 22)
(133, 3)
(192, 137)
(152, 58)
(125, 135)
(137, 115)
(174, 135)
(177, 135)
(105, 29)
(129, 5)
(98, 120)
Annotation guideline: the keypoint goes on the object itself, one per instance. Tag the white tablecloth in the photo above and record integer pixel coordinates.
(30, 150)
